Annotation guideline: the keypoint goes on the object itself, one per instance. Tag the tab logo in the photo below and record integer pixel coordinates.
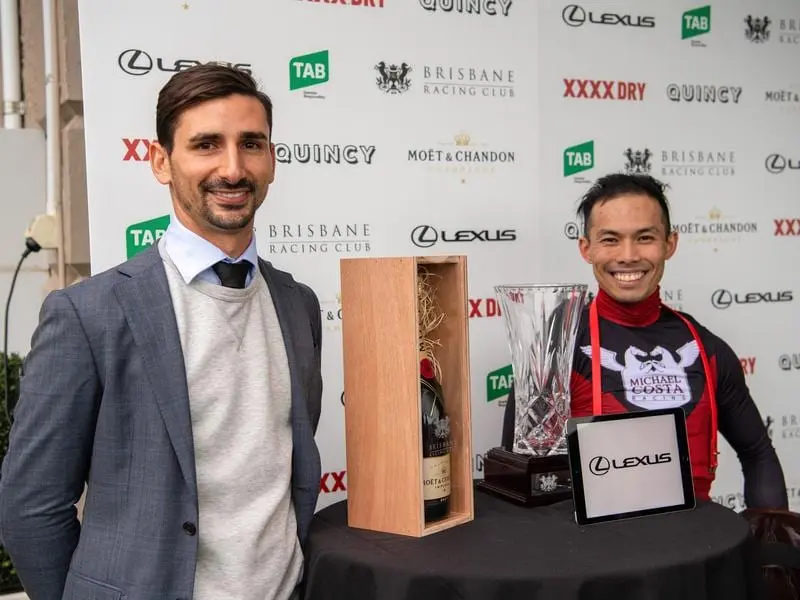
(141, 236)
(309, 70)
(498, 383)
(578, 159)
(696, 22)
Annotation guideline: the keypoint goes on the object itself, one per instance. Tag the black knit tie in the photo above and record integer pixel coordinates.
(232, 275)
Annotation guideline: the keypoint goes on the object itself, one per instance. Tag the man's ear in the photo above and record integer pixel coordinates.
(583, 247)
(272, 157)
(159, 163)
(672, 244)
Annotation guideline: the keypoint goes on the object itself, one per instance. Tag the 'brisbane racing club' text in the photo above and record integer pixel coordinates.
(350, 238)
(468, 81)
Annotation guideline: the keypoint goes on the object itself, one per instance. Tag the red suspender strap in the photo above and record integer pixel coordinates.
(597, 392)
(594, 333)
(712, 396)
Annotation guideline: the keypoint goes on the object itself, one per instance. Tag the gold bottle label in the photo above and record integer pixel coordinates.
(436, 477)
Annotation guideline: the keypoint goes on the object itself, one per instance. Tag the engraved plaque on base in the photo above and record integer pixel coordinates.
(541, 324)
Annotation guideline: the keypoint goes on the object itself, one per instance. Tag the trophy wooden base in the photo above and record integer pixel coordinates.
(526, 480)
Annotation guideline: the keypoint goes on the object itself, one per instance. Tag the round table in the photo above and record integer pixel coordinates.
(511, 552)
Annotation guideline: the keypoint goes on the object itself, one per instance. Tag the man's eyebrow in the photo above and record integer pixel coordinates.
(253, 135)
(204, 137)
(607, 232)
(215, 137)
(652, 229)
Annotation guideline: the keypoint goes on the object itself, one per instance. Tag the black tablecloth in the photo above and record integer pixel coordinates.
(511, 552)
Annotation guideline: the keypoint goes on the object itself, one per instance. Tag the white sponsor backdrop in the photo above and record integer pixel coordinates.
(517, 83)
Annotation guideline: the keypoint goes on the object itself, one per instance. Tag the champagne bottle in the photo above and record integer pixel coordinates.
(435, 445)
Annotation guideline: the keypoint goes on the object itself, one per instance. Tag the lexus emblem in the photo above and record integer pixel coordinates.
(573, 15)
(424, 236)
(721, 299)
(775, 163)
(135, 62)
(599, 466)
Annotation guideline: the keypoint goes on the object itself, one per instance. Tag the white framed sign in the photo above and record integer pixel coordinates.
(629, 465)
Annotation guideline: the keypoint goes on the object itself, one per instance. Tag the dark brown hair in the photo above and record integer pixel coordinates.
(199, 84)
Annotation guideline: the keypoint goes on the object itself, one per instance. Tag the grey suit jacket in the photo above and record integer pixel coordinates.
(104, 401)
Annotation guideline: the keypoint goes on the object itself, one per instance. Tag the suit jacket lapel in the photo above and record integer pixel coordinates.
(284, 295)
(147, 304)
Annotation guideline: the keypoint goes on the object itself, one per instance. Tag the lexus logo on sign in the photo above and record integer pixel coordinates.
(135, 62)
(138, 62)
(599, 465)
(425, 236)
(722, 299)
(575, 16)
(777, 163)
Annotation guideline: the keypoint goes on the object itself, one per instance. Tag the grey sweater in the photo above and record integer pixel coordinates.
(240, 402)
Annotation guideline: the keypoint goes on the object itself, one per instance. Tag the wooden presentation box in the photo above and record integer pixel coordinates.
(383, 415)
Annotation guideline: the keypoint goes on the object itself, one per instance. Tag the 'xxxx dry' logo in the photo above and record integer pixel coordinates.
(136, 149)
(787, 226)
(597, 89)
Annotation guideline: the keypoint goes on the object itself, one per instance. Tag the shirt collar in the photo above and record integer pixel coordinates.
(193, 254)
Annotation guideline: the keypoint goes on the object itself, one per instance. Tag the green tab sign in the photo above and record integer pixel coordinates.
(579, 158)
(498, 383)
(696, 22)
(141, 236)
(308, 70)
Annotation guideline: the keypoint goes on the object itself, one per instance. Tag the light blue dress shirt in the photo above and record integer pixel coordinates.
(194, 256)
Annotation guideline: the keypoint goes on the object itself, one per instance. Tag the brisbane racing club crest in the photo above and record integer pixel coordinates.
(757, 29)
(653, 379)
(393, 79)
(638, 161)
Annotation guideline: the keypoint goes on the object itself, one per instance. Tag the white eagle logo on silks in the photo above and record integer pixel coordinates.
(652, 379)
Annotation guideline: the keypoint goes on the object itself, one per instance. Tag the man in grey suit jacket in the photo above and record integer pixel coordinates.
(183, 388)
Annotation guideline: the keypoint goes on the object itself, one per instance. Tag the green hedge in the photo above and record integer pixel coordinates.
(9, 582)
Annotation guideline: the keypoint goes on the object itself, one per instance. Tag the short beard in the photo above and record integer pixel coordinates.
(230, 222)
(234, 221)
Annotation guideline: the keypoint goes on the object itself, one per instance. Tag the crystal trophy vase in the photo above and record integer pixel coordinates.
(541, 324)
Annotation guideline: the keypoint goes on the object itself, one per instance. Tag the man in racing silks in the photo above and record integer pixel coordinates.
(634, 353)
